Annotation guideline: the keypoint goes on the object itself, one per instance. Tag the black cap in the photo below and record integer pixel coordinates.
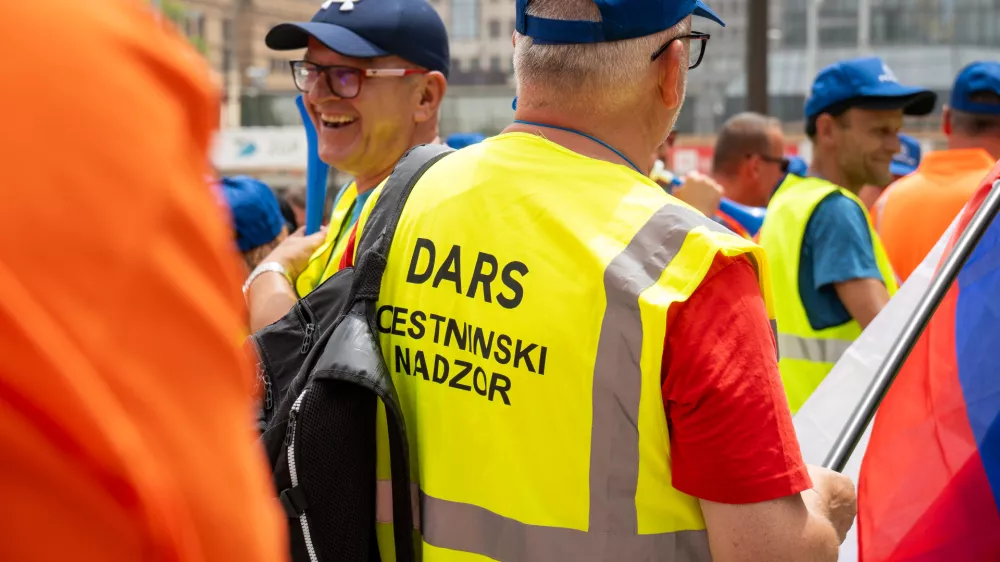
(409, 29)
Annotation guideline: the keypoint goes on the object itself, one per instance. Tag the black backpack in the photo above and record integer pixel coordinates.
(322, 370)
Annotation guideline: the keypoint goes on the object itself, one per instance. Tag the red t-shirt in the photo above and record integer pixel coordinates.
(731, 434)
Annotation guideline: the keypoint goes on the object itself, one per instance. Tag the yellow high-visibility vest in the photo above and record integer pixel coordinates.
(806, 355)
(522, 316)
(325, 261)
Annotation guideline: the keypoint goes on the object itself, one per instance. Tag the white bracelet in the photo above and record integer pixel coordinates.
(264, 268)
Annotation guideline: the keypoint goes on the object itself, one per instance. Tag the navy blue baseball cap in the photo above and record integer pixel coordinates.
(978, 77)
(908, 158)
(256, 214)
(866, 83)
(364, 29)
(620, 19)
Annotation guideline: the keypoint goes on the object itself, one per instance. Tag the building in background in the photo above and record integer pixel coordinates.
(924, 41)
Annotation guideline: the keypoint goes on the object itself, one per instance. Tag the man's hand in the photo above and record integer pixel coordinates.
(837, 498)
(294, 252)
(271, 296)
(701, 192)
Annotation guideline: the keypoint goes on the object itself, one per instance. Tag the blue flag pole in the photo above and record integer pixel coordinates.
(316, 174)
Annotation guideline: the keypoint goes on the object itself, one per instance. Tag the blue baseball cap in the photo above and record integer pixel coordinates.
(620, 19)
(908, 158)
(798, 166)
(256, 214)
(364, 29)
(865, 83)
(978, 77)
(462, 140)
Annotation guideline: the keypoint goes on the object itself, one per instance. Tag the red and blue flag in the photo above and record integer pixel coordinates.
(929, 487)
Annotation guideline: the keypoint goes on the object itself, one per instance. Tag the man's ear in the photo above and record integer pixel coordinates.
(671, 66)
(825, 129)
(946, 120)
(433, 88)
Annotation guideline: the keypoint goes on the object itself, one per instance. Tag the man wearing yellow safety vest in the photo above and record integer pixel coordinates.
(585, 364)
(831, 274)
(373, 76)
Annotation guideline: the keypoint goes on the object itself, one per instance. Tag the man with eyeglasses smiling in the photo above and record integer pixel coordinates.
(372, 77)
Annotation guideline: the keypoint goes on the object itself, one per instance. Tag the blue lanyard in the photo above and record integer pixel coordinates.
(574, 131)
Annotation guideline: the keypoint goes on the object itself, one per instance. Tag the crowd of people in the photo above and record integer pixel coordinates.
(680, 320)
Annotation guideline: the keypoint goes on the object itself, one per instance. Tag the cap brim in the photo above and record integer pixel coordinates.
(702, 9)
(291, 36)
(913, 101)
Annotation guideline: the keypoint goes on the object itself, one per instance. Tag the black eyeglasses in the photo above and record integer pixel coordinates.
(697, 40)
(343, 81)
(782, 162)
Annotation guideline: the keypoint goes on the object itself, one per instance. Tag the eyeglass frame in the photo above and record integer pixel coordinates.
(363, 73)
(693, 36)
(781, 161)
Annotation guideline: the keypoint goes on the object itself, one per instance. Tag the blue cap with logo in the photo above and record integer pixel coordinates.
(364, 29)
(978, 77)
(256, 214)
(908, 158)
(866, 83)
(620, 19)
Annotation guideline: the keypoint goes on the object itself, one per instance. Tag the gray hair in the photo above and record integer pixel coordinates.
(607, 74)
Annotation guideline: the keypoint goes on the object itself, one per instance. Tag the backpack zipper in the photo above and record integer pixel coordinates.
(293, 415)
(306, 317)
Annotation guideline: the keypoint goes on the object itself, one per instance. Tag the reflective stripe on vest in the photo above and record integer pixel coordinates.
(811, 349)
(611, 499)
(806, 355)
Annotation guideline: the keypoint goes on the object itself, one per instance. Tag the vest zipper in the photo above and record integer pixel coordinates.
(290, 442)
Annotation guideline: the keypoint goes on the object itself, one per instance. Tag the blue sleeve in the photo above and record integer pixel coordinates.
(841, 243)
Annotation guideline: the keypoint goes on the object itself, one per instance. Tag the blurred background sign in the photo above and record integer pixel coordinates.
(260, 148)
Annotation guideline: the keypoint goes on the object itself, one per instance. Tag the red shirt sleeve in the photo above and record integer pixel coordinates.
(347, 260)
(731, 434)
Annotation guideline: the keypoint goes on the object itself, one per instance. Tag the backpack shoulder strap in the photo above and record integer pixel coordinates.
(374, 241)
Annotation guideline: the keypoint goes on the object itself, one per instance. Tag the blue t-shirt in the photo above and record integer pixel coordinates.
(837, 248)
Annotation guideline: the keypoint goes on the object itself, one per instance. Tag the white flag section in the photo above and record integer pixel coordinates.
(822, 418)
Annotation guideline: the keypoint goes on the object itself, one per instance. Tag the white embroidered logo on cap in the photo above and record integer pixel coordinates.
(345, 5)
(887, 74)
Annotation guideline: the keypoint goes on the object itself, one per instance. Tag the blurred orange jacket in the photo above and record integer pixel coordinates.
(913, 213)
(126, 427)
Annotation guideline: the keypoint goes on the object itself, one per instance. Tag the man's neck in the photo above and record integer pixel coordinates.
(829, 171)
(618, 132)
(369, 181)
(729, 186)
(962, 142)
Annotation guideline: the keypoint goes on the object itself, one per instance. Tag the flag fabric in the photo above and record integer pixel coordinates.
(929, 487)
(822, 418)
